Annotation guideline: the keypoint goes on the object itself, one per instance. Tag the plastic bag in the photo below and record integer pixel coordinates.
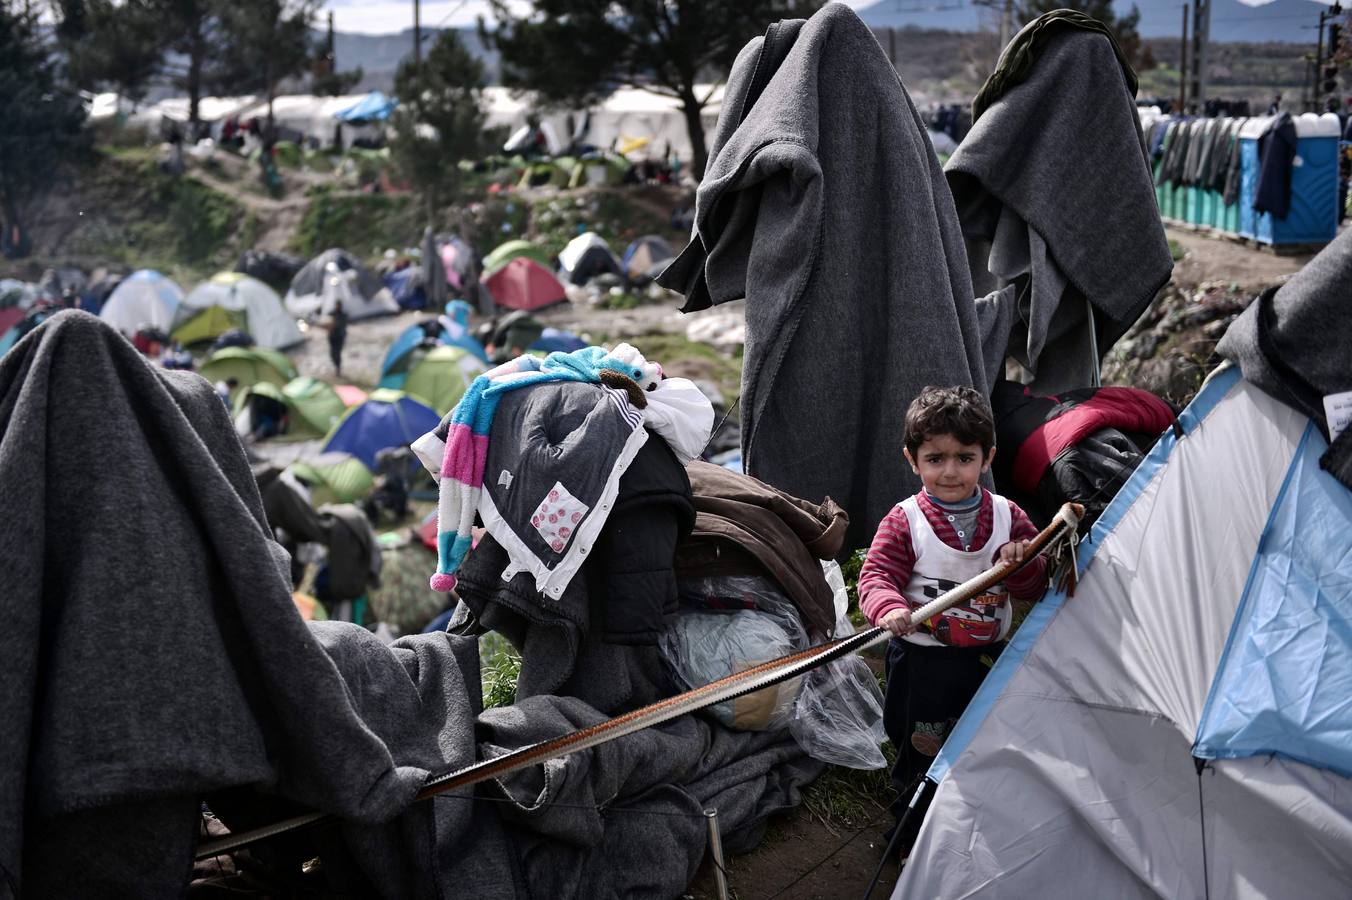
(703, 646)
(727, 624)
(838, 718)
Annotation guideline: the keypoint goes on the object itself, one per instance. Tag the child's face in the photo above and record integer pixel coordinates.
(948, 468)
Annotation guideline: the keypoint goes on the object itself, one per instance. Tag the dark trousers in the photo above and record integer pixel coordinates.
(336, 355)
(927, 690)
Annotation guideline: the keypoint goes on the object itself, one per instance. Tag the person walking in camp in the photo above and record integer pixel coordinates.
(951, 531)
(337, 337)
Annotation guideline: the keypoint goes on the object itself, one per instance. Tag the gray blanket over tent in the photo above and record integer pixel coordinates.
(1053, 188)
(1294, 344)
(848, 253)
(152, 656)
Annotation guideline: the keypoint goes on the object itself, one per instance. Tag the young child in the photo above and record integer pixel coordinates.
(928, 544)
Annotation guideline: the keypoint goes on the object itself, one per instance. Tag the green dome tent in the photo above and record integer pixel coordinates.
(334, 478)
(312, 406)
(248, 366)
(440, 376)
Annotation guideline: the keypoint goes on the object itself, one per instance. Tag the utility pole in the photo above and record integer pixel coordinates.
(1201, 34)
(417, 34)
(1006, 22)
(1326, 71)
(1183, 67)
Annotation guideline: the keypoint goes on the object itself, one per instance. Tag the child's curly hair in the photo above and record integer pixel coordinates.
(958, 411)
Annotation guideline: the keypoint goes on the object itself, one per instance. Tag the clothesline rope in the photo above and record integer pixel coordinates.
(1059, 534)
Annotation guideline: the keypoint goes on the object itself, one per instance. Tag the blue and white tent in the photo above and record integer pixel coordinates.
(1182, 726)
(374, 107)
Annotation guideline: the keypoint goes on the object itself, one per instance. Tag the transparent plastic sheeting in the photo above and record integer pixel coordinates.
(727, 624)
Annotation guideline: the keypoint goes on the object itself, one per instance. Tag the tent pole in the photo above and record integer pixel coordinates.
(716, 848)
(1097, 364)
(893, 844)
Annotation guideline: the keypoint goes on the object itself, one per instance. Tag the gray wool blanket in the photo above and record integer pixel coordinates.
(825, 207)
(152, 656)
(1295, 342)
(1053, 188)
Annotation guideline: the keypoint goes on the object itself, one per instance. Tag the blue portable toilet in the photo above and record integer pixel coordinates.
(1313, 217)
(1248, 173)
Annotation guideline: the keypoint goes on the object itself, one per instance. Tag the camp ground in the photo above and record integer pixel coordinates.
(888, 452)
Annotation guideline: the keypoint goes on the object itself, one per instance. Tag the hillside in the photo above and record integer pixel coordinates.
(1285, 21)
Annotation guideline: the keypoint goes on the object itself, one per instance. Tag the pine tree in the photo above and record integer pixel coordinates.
(44, 124)
(578, 51)
(440, 119)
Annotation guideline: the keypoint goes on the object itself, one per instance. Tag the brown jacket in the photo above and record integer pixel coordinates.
(746, 527)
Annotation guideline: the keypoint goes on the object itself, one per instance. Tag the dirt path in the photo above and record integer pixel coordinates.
(1221, 259)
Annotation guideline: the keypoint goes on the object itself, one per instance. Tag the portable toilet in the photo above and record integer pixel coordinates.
(1248, 174)
(1192, 209)
(1313, 216)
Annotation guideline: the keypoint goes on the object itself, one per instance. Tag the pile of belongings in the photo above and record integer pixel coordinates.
(1079, 446)
(202, 669)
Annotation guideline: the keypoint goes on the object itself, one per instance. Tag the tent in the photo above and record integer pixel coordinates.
(406, 286)
(145, 298)
(587, 256)
(644, 254)
(599, 169)
(455, 329)
(1180, 728)
(233, 300)
(506, 252)
(525, 284)
(439, 376)
(401, 355)
(248, 366)
(387, 419)
(350, 394)
(374, 107)
(312, 406)
(338, 275)
(334, 478)
(11, 316)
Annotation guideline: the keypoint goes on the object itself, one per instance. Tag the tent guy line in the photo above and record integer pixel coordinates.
(1052, 539)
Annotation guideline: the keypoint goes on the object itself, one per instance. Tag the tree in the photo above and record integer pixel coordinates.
(266, 41)
(111, 45)
(1124, 28)
(196, 34)
(44, 123)
(579, 51)
(440, 119)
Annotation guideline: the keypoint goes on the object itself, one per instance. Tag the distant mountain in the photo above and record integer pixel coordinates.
(379, 55)
(1281, 21)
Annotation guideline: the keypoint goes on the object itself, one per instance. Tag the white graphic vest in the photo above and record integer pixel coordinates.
(939, 568)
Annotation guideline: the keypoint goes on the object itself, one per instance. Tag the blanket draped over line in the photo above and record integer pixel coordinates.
(462, 439)
(1293, 342)
(848, 253)
(1054, 191)
(152, 656)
